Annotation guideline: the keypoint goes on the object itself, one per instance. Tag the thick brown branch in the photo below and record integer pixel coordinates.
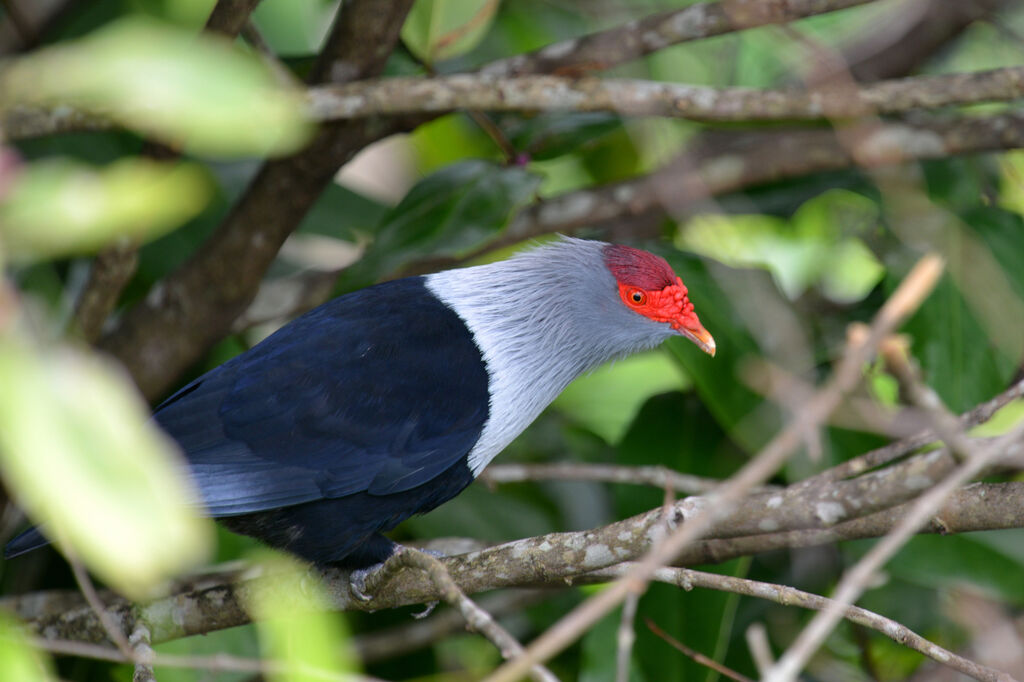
(229, 16)
(548, 560)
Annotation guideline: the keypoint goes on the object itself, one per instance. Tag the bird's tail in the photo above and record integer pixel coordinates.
(25, 542)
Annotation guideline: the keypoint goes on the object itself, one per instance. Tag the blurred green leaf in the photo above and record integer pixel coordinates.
(441, 29)
(194, 91)
(1011, 186)
(956, 355)
(816, 247)
(81, 457)
(850, 272)
(296, 628)
(607, 399)
(56, 208)
(448, 213)
(1007, 417)
(18, 659)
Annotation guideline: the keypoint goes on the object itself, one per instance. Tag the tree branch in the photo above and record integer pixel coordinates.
(229, 16)
(215, 602)
(635, 39)
(650, 98)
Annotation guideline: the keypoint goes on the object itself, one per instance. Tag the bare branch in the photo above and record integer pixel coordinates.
(410, 636)
(216, 602)
(142, 650)
(635, 39)
(476, 618)
(657, 476)
(626, 637)
(695, 655)
(650, 98)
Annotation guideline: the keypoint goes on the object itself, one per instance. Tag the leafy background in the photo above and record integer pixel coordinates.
(777, 271)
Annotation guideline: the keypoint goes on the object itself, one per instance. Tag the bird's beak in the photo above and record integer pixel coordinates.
(696, 332)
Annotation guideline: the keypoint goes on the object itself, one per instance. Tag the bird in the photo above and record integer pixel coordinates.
(388, 401)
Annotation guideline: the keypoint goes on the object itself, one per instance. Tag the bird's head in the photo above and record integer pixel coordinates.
(648, 286)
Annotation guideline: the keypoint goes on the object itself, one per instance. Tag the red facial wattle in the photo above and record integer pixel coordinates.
(672, 305)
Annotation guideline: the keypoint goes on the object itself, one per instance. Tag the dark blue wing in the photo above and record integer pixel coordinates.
(379, 391)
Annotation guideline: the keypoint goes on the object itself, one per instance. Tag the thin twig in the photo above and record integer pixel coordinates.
(112, 629)
(477, 619)
(143, 652)
(626, 638)
(760, 648)
(697, 656)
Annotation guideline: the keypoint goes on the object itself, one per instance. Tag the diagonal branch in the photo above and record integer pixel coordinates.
(638, 38)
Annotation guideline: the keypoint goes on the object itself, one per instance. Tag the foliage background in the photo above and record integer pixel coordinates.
(776, 271)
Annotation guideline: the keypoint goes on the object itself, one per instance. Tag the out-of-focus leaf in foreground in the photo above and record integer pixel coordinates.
(441, 29)
(296, 629)
(78, 452)
(62, 207)
(194, 91)
(18, 660)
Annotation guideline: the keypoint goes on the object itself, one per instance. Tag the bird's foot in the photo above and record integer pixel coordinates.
(357, 581)
(427, 610)
(363, 583)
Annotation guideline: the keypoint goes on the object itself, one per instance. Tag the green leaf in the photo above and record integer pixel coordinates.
(607, 400)
(851, 271)
(548, 136)
(441, 29)
(940, 561)
(18, 659)
(449, 213)
(956, 355)
(295, 627)
(80, 455)
(816, 247)
(194, 91)
(56, 208)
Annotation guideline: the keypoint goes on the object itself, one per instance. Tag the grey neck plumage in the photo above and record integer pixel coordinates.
(540, 320)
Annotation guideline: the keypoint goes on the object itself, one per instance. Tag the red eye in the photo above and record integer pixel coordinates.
(637, 297)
